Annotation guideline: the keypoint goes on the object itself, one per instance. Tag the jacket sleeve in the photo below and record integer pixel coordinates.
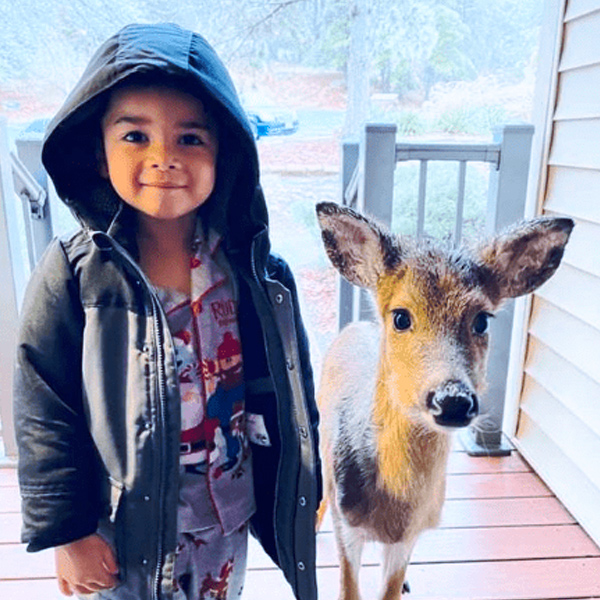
(58, 466)
(285, 275)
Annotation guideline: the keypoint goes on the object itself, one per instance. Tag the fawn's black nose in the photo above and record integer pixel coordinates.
(453, 404)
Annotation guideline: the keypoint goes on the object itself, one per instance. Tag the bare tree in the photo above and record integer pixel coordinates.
(358, 67)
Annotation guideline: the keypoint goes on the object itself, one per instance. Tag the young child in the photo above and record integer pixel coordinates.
(164, 401)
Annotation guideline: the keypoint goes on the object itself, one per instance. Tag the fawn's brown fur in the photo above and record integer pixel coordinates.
(392, 391)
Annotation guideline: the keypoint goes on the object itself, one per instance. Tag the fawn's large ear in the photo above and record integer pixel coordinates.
(519, 260)
(357, 246)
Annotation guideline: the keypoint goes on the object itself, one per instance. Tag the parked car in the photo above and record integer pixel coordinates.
(271, 120)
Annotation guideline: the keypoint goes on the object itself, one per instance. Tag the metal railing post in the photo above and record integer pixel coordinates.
(508, 183)
(36, 213)
(506, 205)
(377, 156)
(346, 290)
(9, 299)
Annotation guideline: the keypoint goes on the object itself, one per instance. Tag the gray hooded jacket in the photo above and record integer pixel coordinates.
(97, 406)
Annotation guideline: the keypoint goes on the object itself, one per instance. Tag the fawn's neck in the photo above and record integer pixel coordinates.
(409, 453)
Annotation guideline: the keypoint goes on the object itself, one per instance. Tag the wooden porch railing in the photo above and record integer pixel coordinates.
(368, 184)
(24, 217)
(8, 296)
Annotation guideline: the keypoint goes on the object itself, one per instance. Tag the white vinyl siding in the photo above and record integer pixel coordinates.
(559, 420)
(578, 96)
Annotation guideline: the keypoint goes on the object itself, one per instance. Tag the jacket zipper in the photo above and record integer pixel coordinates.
(162, 395)
(253, 263)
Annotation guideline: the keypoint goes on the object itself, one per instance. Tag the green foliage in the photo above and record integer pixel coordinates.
(413, 43)
(503, 33)
(417, 44)
(466, 120)
(472, 119)
(404, 39)
(333, 44)
(441, 198)
(408, 122)
(448, 59)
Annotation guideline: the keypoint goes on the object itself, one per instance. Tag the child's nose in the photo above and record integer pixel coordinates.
(163, 157)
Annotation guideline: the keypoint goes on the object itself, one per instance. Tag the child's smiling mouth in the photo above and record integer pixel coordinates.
(162, 185)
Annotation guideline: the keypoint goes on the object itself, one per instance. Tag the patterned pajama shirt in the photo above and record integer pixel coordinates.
(216, 496)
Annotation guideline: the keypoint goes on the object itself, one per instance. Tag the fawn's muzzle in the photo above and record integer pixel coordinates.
(453, 404)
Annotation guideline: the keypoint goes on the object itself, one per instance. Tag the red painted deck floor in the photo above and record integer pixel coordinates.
(503, 536)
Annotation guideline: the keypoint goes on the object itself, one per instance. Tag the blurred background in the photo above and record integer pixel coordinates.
(309, 73)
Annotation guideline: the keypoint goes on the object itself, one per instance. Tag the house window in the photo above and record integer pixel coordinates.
(309, 73)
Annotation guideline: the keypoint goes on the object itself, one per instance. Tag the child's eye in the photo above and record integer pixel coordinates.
(135, 137)
(191, 139)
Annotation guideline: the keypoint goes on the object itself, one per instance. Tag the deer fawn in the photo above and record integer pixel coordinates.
(392, 392)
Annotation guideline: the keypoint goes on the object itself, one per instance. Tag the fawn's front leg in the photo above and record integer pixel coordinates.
(395, 563)
(350, 545)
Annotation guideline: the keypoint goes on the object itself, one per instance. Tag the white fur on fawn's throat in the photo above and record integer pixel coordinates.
(392, 391)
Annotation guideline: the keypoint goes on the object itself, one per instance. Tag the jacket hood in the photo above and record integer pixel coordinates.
(160, 54)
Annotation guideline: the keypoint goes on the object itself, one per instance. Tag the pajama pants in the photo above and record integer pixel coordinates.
(210, 565)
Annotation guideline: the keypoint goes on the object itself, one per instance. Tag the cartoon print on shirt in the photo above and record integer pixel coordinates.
(193, 438)
(216, 435)
(209, 373)
(224, 312)
(227, 404)
(217, 588)
(209, 363)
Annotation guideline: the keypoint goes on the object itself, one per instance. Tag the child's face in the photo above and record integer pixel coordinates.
(160, 150)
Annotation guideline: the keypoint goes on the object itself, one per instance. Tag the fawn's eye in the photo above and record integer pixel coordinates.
(481, 323)
(402, 320)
